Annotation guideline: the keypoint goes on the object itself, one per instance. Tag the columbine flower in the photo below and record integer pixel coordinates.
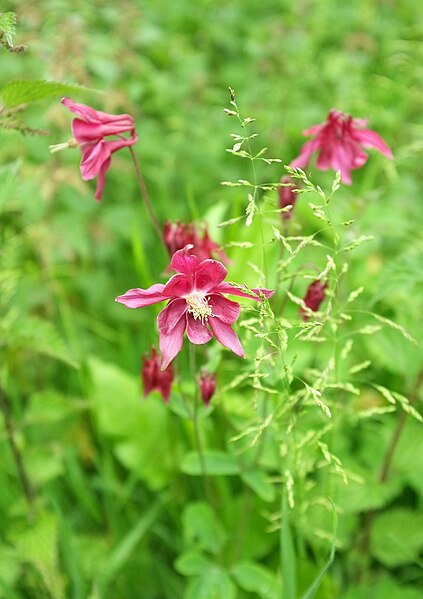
(196, 304)
(339, 143)
(314, 297)
(154, 378)
(207, 385)
(90, 131)
(287, 196)
(177, 235)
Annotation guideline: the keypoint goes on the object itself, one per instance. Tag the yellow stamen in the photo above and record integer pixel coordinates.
(198, 306)
(71, 143)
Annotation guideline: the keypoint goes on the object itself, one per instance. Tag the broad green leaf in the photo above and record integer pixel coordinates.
(202, 528)
(19, 92)
(397, 537)
(216, 463)
(214, 583)
(257, 579)
(192, 563)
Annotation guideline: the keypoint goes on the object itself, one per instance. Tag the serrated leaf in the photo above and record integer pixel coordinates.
(19, 92)
(8, 27)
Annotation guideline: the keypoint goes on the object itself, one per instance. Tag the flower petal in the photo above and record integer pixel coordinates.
(102, 179)
(228, 288)
(369, 138)
(171, 340)
(224, 309)
(171, 314)
(226, 336)
(208, 274)
(177, 286)
(138, 298)
(183, 262)
(94, 155)
(84, 131)
(89, 115)
(197, 331)
(305, 154)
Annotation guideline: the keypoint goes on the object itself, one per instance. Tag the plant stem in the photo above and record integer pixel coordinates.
(17, 456)
(145, 196)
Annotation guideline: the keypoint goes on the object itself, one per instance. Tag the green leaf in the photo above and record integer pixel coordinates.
(216, 463)
(19, 92)
(8, 27)
(192, 563)
(214, 583)
(257, 579)
(202, 528)
(258, 481)
(397, 537)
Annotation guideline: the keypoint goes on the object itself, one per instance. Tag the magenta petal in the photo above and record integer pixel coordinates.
(224, 309)
(197, 332)
(369, 139)
(138, 298)
(228, 288)
(226, 336)
(305, 154)
(101, 179)
(171, 341)
(170, 315)
(88, 114)
(208, 274)
(93, 158)
(183, 262)
(177, 286)
(87, 131)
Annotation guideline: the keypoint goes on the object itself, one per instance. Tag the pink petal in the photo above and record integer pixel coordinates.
(171, 340)
(183, 262)
(197, 332)
(178, 286)
(306, 151)
(88, 114)
(138, 298)
(224, 309)
(370, 139)
(228, 288)
(93, 157)
(101, 179)
(117, 144)
(208, 275)
(86, 131)
(226, 336)
(170, 316)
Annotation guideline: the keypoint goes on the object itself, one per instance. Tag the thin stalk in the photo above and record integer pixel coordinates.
(26, 485)
(145, 196)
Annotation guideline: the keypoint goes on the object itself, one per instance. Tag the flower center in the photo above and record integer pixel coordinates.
(198, 306)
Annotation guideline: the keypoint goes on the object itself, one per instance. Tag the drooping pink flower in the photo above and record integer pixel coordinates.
(287, 196)
(339, 143)
(90, 130)
(314, 297)
(154, 378)
(196, 304)
(177, 235)
(207, 383)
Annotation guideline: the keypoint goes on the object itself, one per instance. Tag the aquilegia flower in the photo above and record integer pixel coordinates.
(339, 143)
(177, 235)
(90, 131)
(287, 196)
(154, 378)
(196, 304)
(314, 297)
(207, 384)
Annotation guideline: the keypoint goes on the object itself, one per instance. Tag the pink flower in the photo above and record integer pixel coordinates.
(177, 235)
(154, 378)
(314, 297)
(196, 305)
(90, 131)
(287, 196)
(339, 143)
(207, 384)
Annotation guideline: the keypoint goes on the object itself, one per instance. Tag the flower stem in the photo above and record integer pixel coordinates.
(17, 456)
(145, 196)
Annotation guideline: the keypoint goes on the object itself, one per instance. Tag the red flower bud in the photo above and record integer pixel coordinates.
(287, 196)
(154, 378)
(207, 386)
(314, 297)
(177, 235)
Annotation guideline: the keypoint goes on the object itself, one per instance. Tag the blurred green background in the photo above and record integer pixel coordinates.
(110, 510)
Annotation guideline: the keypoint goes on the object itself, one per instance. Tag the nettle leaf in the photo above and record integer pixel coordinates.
(7, 27)
(19, 92)
(397, 537)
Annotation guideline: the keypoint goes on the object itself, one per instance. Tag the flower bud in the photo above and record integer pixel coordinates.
(314, 297)
(287, 196)
(207, 386)
(154, 378)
